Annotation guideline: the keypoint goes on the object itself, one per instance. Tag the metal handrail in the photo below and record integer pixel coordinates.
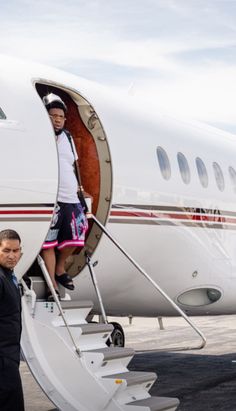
(57, 301)
(96, 287)
(95, 284)
(158, 288)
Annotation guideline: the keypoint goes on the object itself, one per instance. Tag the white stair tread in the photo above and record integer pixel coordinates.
(156, 403)
(70, 305)
(93, 328)
(134, 377)
(112, 353)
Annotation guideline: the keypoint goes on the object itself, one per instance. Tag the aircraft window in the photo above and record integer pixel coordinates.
(164, 163)
(2, 115)
(202, 172)
(219, 176)
(183, 168)
(232, 174)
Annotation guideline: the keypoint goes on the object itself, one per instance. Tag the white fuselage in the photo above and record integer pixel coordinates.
(182, 234)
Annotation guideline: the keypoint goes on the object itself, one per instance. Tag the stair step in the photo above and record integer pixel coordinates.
(72, 305)
(113, 353)
(134, 377)
(156, 403)
(93, 328)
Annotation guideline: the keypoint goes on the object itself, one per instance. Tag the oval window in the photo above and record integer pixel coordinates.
(164, 163)
(183, 168)
(232, 174)
(202, 172)
(220, 182)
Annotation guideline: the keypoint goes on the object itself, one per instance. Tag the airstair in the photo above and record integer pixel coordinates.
(71, 361)
(70, 357)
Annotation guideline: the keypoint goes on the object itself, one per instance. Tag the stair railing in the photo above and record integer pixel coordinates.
(96, 287)
(95, 284)
(156, 286)
(57, 301)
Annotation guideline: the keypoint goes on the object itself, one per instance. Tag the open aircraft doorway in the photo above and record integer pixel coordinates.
(94, 159)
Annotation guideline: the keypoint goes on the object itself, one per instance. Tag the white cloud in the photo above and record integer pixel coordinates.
(179, 52)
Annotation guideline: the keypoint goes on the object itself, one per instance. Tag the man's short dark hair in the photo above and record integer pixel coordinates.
(57, 104)
(9, 235)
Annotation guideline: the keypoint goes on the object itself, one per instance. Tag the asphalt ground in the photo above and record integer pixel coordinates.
(202, 379)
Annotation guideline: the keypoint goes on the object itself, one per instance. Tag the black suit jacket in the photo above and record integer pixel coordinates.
(10, 317)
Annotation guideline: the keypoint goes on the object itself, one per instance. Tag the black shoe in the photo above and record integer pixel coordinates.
(50, 297)
(65, 280)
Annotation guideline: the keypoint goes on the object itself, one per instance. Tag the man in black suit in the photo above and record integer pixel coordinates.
(11, 394)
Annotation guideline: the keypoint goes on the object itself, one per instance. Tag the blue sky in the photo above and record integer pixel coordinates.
(180, 54)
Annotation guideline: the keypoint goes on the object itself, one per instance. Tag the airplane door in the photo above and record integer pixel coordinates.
(28, 169)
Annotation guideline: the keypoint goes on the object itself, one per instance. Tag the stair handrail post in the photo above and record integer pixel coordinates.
(56, 299)
(96, 287)
(29, 293)
(158, 288)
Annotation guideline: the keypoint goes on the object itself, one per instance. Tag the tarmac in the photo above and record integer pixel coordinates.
(201, 379)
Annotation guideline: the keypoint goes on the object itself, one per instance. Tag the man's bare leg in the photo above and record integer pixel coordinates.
(61, 259)
(49, 258)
